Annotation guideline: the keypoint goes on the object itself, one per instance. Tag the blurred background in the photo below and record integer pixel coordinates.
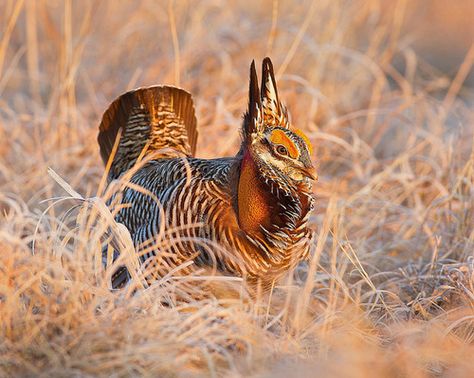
(63, 62)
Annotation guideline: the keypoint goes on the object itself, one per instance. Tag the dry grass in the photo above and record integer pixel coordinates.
(389, 290)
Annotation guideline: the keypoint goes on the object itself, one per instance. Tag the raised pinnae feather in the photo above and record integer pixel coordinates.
(269, 93)
(264, 109)
(274, 112)
(251, 123)
(156, 118)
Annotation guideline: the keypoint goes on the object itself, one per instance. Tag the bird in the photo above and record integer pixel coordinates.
(246, 215)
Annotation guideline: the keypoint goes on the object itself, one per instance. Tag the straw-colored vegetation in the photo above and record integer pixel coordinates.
(389, 289)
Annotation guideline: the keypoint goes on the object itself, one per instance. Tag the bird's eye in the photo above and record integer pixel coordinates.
(282, 150)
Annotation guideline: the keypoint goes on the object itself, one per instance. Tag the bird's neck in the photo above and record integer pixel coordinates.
(273, 220)
(266, 203)
(254, 202)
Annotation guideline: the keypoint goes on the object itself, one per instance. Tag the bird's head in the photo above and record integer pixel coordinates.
(280, 151)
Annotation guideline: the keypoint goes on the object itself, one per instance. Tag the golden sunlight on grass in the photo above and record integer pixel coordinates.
(389, 288)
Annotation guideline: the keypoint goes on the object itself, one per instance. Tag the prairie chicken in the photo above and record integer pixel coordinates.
(245, 215)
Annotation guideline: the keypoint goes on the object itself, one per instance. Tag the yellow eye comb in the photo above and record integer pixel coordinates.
(303, 136)
(279, 137)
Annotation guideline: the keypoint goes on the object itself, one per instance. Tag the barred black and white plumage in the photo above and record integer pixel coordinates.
(245, 215)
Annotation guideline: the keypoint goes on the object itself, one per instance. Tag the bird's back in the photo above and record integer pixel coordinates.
(177, 185)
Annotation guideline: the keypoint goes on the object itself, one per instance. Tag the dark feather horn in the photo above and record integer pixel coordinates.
(254, 103)
(254, 95)
(268, 87)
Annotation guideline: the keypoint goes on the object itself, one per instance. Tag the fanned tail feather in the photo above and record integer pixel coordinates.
(154, 118)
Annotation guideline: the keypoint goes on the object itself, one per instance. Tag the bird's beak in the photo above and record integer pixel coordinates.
(310, 172)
